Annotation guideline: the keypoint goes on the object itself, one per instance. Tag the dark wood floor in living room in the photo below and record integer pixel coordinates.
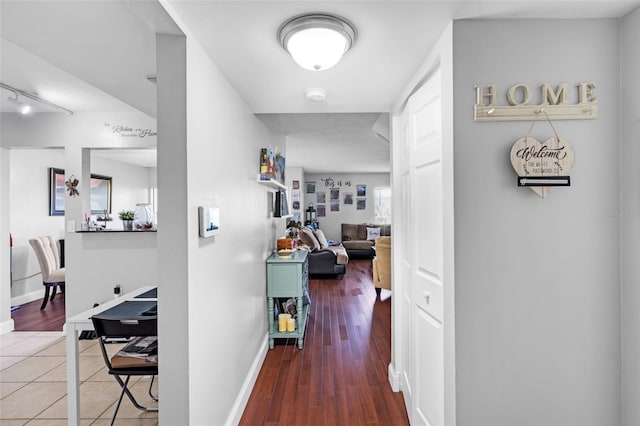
(29, 317)
(340, 376)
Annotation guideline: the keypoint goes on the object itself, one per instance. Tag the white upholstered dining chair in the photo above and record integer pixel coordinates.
(49, 260)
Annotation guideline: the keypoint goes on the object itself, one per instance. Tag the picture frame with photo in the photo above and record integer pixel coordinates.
(335, 193)
(361, 204)
(295, 184)
(361, 190)
(321, 210)
(348, 198)
(310, 187)
(321, 197)
(335, 205)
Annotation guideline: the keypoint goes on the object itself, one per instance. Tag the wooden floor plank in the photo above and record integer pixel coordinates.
(29, 317)
(340, 375)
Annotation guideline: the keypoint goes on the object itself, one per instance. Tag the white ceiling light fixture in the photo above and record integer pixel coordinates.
(31, 96)
(316, 95)
(20, 106)
(317, 41)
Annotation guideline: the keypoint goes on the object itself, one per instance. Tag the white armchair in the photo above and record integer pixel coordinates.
(49, 260)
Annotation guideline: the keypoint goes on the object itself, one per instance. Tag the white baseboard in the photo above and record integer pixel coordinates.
(245, 392)
(394, 378)
(7, 326)
(26, 298)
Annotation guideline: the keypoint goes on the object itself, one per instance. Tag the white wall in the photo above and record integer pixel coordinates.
(537, 280)
(29, 216)
(331, 223)
(90, 275)
(216, 286)
(291, 174)
(6, 323)
(630, 217)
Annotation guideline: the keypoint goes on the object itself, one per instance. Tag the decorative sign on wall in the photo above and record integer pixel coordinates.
(126, 131)
(332, 183)
(553, 101)
(546, 164)
(542, 166)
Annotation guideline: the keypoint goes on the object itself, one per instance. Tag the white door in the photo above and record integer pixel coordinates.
(402, 254)
(426, 208)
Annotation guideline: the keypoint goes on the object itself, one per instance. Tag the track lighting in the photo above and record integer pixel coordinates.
(20, 106)
(24, 108)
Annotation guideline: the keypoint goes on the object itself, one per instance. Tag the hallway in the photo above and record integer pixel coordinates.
(340, 376)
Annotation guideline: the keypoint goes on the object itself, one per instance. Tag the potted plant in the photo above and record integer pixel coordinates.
(126, 216)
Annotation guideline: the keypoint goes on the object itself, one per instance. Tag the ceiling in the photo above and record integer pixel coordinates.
(97, 55)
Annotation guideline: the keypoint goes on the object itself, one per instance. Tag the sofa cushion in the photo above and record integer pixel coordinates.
(358, 245)
(350, 231)
(373, 233)
(322, 240)
(342, 258)
(307, 238)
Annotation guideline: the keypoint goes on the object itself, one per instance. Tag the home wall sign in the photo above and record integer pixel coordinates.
(553, 101)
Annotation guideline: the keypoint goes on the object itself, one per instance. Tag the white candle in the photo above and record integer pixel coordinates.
(282, 322)
(291, 324)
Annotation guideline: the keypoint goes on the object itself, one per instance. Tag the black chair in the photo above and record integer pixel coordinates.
(109, 328)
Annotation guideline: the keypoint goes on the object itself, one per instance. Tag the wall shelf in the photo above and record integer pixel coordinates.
(272, 183)
(111, 231)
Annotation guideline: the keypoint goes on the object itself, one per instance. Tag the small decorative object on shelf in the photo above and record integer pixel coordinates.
(126, 216)
(143, 217)
(104, 218)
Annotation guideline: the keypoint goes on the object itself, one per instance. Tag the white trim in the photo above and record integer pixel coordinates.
(394, 378)
(7, 326)
(26, 298)
(245, 392)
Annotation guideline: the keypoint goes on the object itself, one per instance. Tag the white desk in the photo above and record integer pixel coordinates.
(73, 326)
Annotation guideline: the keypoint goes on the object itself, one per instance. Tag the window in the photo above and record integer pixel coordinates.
(382, 199)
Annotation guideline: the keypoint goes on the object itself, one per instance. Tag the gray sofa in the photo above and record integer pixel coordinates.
(357, 241)
(324, 259)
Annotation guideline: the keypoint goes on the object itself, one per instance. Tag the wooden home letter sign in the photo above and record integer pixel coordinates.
(553, 101)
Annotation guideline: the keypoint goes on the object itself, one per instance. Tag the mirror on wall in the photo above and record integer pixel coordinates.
(133, 175)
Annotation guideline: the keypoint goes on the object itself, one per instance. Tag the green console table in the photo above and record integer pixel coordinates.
(287, 278)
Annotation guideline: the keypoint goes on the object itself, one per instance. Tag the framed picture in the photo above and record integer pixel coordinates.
(296, 205)
(348, 198)
(209, 219)
(321, 197)
(296, 184)
(310, 187)
(335, 205)
(361, 190)
(321, 210)
(361, 204)
(335, 193)
(100, 188)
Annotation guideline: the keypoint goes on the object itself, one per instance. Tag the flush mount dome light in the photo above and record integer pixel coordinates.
(317, 41)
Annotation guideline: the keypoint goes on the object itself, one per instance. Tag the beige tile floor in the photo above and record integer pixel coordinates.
(33, 384)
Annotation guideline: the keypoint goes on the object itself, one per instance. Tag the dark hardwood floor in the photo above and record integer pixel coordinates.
(340, 376)
(30, 318)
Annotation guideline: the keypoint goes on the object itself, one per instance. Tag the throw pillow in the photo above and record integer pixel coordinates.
(373, 233)
(321, 238)
(307, 238)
